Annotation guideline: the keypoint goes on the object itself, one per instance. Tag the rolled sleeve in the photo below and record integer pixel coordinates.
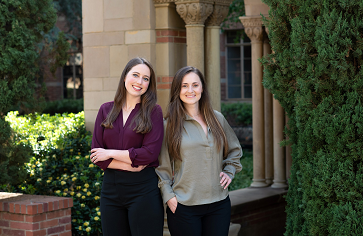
(97, 138)
(151, 145)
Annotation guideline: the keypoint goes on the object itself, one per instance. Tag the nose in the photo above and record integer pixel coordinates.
(139, 80)
(190, 89)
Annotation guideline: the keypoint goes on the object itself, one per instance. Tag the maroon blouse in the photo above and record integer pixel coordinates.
(143, 149)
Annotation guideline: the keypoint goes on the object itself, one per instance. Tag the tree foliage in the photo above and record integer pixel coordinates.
(236, 9)
(316, 74)
(23, 25)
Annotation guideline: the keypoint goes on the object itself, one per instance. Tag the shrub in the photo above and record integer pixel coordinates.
(316, 74)
(60, 165)
(243, 179)
(22, 25)
(63, 106)
(237, 114)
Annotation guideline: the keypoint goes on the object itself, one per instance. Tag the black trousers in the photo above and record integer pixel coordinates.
(201, 220)
(131, 204)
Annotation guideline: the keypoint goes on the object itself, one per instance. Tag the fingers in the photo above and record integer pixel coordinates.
(172, 204)
(225, 180)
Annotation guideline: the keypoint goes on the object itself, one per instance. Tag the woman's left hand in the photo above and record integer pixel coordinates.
(225, 180)
(100, 154)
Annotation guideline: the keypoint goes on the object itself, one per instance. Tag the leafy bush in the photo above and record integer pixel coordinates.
(64, 106)
(60, 165)
(237, 114)
(23, 25)
(315, 72)
(243, 179)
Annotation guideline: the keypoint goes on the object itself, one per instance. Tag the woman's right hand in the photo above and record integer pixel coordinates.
(136, 169)
(172, 204)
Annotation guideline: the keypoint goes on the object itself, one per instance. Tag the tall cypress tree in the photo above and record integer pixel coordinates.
(316, 74)
(22, 27)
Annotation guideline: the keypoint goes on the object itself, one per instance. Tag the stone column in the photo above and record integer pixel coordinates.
(254, 30)
(269, 170)
(212, 51)
(194, 14)
(279, 152)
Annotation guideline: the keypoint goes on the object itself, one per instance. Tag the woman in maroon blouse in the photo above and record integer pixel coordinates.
(126, 144)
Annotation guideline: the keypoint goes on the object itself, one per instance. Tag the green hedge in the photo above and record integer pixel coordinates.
(63, 106)
(237, 114)
(243, 179)
(60, 165)
(316, 74)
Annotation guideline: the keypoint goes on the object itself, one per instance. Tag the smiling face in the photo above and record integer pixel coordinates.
(137, 80)
(191, 89)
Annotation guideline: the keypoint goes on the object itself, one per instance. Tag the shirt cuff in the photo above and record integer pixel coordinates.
(166, 191)
(132, 155)
(230, 170)
(104, 164)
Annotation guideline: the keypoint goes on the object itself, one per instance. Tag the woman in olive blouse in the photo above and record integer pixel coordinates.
(199, 158)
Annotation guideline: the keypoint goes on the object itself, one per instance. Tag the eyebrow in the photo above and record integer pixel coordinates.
(195, 82)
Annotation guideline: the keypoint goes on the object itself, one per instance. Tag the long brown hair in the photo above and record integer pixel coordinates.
(148, 100)
(176, 115)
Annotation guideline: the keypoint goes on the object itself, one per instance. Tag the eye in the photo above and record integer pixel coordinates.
(195, 85)
(184, 86)
(135, 75)
(146, 79)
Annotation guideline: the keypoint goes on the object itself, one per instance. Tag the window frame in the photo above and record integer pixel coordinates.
(241, 45)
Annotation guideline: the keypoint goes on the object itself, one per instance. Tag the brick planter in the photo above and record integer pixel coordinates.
(35, 215)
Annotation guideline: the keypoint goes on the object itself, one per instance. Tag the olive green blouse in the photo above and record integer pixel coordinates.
(196, 177)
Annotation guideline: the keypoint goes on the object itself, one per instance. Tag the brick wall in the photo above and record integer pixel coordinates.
(259, 211)
(171, 36)
(31, 215)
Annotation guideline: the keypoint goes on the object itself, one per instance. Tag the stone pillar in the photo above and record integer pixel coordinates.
(279, 152)
(194, 15)
(254, 30)
(212, 57)
(268, 124)
(170, 48)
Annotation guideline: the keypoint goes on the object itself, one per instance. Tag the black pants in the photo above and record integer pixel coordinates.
(200, 220)
(131, 204)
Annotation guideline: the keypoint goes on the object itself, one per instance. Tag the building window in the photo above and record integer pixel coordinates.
(73, 77)
(239, 66)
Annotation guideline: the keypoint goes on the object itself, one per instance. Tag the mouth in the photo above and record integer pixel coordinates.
(190, 96)
(136, 88)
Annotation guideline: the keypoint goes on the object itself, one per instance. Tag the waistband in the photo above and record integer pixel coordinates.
(125, 177)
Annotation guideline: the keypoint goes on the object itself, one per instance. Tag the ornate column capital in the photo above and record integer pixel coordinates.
(253, 28)
(194, 12)
(163, 1)
(220, 11)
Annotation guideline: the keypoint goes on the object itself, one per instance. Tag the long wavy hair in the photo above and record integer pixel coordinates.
(176, 115)
(148, 100)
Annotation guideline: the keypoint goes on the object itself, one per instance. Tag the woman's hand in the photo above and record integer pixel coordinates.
(225, 180)
(172, 204)
(100, 154)
(136, 169)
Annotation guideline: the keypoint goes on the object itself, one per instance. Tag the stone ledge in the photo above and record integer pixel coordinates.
(253, 198)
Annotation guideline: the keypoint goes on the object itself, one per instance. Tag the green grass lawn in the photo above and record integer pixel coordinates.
(243, 179)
